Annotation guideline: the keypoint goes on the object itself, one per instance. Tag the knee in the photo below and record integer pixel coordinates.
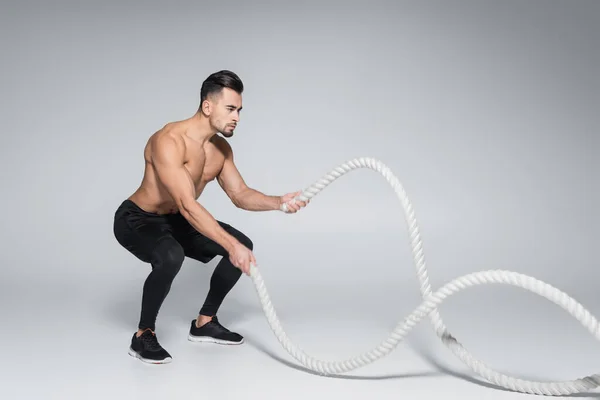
(245, 240)
(240, 236)
(168, 256)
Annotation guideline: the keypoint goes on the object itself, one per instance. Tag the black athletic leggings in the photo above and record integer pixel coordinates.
(164, 241)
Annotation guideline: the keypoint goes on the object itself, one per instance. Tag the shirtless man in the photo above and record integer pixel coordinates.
(162, 222)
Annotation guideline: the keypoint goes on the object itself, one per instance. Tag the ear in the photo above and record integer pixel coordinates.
(207, 107)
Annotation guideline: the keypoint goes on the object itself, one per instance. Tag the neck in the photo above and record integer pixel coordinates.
(199, 128)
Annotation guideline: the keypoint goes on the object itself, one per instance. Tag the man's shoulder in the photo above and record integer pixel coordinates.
(171, 131)
(167, 139)
(222, 144)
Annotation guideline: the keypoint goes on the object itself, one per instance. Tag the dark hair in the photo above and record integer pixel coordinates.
(219, 80)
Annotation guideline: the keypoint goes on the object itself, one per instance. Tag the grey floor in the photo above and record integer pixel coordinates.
(67, 338)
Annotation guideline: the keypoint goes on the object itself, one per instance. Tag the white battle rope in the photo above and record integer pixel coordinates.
(430, 301)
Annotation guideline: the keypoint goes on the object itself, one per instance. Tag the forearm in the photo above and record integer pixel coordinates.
(253, 200)
(207, 225)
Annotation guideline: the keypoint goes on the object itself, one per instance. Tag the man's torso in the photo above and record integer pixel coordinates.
(203, 163)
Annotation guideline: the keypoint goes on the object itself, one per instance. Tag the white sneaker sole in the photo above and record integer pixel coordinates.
(207, 339)
(133, 354)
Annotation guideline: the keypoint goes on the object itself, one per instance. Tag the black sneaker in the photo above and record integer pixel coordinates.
(147, 348)
(213, 332)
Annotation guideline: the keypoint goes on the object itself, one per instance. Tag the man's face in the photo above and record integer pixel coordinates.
(225, 111)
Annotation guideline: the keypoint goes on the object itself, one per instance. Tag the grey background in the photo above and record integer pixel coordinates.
(486, 111)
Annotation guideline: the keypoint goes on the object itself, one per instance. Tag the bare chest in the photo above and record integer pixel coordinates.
(204, 164)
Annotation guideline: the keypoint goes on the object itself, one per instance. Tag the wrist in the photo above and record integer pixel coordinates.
(230, 244)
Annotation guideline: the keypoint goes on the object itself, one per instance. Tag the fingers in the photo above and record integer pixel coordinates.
(292, 208)
(301, 203)
(295, 205)
(243, 263)
(243, 260)
(248, 263)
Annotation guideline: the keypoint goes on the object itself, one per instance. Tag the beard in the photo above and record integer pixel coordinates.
(227, 131)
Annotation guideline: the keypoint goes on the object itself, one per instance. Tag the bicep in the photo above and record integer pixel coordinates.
(167, 159)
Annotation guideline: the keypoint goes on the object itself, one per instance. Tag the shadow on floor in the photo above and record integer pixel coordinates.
(431, 360)
(298, 367)
(440, 370)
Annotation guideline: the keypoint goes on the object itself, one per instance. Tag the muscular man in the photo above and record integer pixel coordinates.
(162, 222)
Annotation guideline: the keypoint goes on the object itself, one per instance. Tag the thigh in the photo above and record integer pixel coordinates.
(201, 248)
(140, 232)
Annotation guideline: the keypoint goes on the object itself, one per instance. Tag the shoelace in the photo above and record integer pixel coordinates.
(216, 323)
(150, 341)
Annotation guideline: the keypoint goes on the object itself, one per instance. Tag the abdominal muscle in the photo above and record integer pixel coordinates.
(152, 197)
